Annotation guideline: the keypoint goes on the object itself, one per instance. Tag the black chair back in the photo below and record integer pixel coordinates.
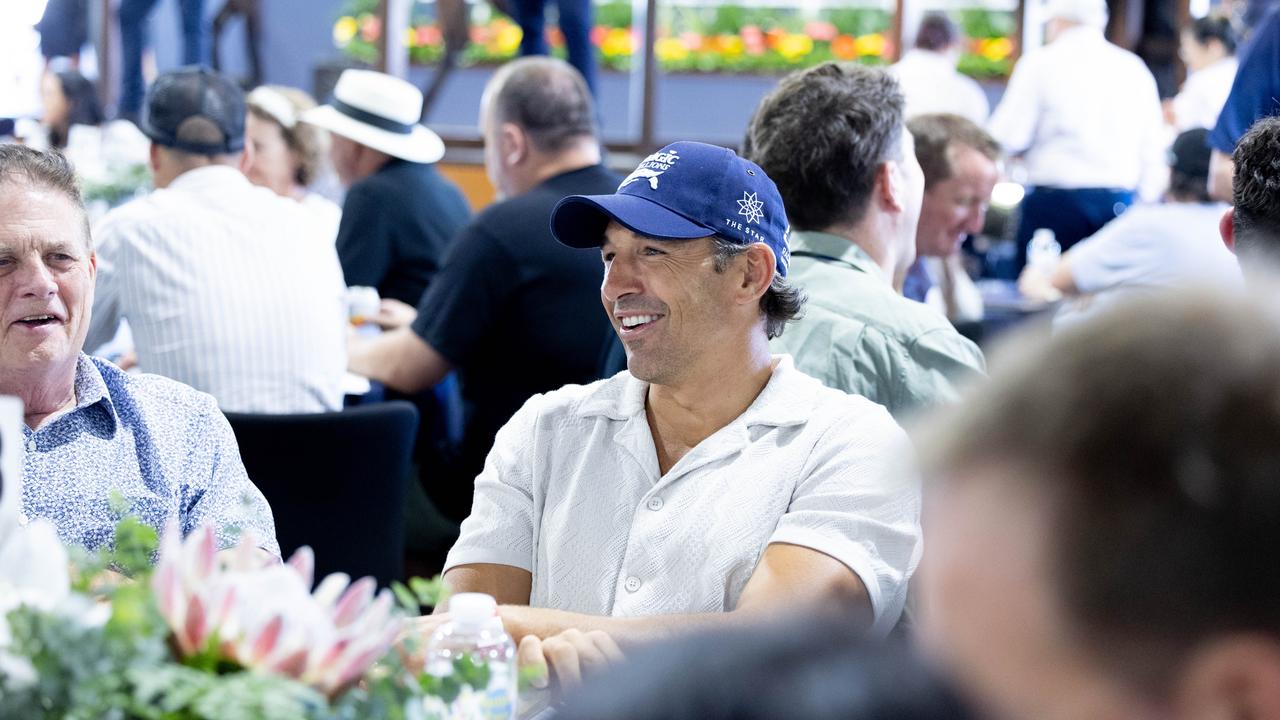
(336, 481)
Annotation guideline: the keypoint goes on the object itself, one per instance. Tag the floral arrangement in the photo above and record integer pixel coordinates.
(713, 38)
(201, 636)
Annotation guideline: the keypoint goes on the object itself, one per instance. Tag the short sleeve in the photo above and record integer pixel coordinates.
(219, 493)
(1113, 255)
(466, 297)
(365, 237)
(858, 501)
(1256, 91)
(503, 521)
(1017, 117)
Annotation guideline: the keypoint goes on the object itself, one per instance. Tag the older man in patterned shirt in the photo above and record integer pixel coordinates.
(90, 429)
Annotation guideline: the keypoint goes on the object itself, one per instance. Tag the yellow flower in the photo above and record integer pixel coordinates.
(670, 49)
(617, 43)
(793, 46)
(507, 40)
(344, 30)
(872, 44)
(996, 48)
(730, 45)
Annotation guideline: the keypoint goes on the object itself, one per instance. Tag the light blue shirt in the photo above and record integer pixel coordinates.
(162, 445)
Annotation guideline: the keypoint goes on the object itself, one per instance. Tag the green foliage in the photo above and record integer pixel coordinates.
(120, 184)
(175, 692)
(466, 673)
(858, 21)
(614, 14)
(420, 594)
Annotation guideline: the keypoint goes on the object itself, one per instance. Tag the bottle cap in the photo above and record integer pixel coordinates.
(473, 609)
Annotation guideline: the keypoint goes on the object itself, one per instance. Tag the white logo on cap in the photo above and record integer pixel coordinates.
(651, 168)
(750, 207)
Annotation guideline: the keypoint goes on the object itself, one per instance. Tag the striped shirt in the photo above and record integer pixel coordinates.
(228, 288)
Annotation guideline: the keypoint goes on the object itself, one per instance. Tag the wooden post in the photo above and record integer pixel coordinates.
(896, 29)
(393, 54)
(644, 13)
(106, 80)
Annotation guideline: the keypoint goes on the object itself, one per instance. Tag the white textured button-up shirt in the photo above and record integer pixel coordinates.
(930, 84)
(1087, 115)
(571, 492)
(228, 288)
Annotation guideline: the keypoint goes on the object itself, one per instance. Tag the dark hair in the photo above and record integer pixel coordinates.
(1212, 27)
(822, 135)
(780, 304)
(1150, 433)
(801, 670)
(1255, 191)
(547, 98)
(937, 32)
(83, 107)
(934, 135)
(22, 165)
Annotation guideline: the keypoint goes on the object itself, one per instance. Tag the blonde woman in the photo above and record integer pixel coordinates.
(287, 156)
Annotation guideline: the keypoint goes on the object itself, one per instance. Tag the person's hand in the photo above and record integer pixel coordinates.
(1035, 285)
(394, 314)
(569, 656)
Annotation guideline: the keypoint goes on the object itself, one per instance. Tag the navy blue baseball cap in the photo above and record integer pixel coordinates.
(195, 92)
(684, 191)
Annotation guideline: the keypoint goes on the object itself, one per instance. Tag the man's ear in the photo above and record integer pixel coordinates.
(757, 271)
(1235, 677)
(890, 186)
(513, 144)
(246, 158)
(153, 158)
(1227, 228)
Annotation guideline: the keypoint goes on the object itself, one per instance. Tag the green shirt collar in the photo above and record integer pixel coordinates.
(820, 243)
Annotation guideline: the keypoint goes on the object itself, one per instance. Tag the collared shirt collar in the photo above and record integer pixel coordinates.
(782, 402)
(91, 389)
(208, 176)
(834, 246)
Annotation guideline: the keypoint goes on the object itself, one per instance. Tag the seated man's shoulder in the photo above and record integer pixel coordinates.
(829, 407)
(154, 393)
(604, 398)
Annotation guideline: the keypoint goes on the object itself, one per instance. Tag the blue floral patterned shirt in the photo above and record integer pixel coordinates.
(162, 445)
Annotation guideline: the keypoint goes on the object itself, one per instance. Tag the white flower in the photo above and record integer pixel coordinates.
(34, 573)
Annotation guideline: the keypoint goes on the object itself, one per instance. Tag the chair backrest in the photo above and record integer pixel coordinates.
(337, 482)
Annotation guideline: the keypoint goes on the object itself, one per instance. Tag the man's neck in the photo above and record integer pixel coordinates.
(876, 239)
(576, 157)
(683, 415)
(45, 393)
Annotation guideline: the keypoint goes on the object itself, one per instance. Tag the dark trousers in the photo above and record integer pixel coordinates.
(134, 19)
(1072, 214)
(575, 23)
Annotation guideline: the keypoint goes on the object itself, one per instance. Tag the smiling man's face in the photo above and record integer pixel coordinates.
(47, 272)
(666, 301)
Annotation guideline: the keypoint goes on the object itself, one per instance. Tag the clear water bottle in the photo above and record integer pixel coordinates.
(1043, 251)
(474, 660)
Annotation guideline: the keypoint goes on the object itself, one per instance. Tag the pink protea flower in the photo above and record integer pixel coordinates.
(264, 615)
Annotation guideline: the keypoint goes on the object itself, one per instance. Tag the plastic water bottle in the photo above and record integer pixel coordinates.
(1043, 251)
(473, 655)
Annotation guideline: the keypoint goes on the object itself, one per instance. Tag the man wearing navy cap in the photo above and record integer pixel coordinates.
(711, 481)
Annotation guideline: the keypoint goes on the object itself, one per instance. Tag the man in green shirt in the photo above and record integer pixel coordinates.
(833, 139)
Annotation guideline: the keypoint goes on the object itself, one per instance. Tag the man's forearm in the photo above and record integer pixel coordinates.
(628, 632)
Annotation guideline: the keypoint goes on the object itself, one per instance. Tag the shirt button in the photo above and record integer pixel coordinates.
(632, 584)
(23, 519)
(655, 503)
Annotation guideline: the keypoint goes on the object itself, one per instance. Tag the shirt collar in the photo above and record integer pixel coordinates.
(207, 177)
(91, 388)
(785, 399)
(834, 246)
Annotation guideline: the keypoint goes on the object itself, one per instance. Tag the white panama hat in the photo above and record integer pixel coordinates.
(1088, 12)
(379, 111)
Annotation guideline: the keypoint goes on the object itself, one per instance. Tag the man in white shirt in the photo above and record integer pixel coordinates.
(226, 286)
(928, 78)
(711, 483)
(1208, 49)
(1086, 118)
